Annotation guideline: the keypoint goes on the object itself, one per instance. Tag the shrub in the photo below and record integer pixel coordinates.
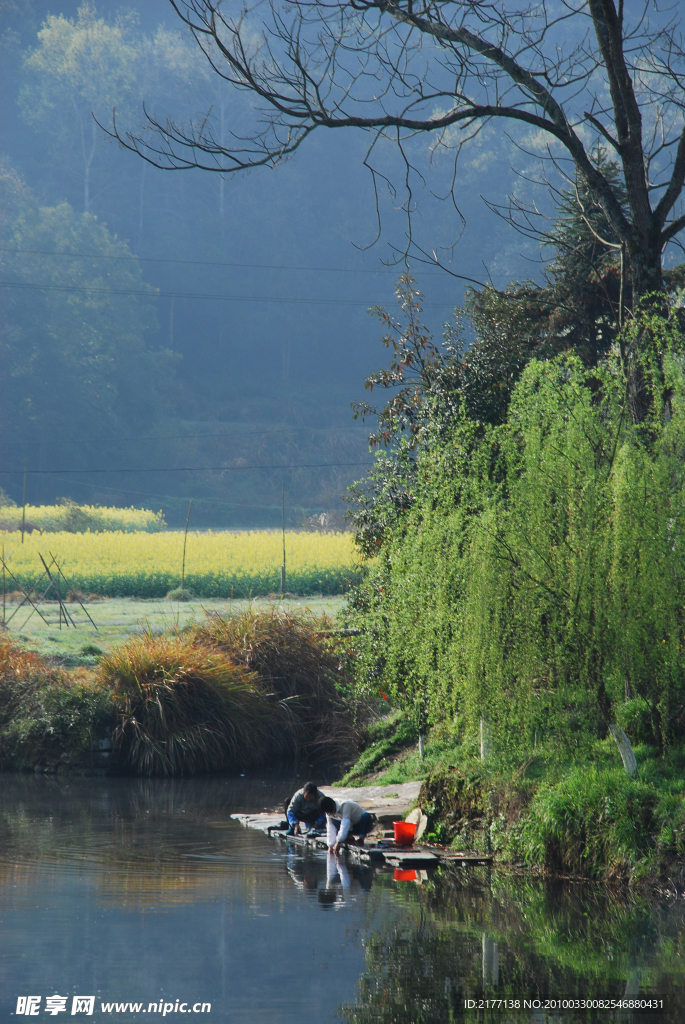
(292, 657)
(184, 708)
(22, 673)
(46, 714)
(181, 595)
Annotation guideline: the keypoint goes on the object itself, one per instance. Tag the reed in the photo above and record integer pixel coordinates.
(293, 657)
(183, 708)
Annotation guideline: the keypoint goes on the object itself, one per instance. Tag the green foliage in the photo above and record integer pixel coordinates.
(593, 823)
(57, 724)
(564, 817)
(538, 578)
(46, 715)
(383, 739)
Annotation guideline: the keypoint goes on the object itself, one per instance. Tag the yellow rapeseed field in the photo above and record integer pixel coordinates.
(72, 518)
(217, 564)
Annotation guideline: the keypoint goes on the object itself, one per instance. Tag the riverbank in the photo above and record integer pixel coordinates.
(235, 692)
(578, 816)
(227, 692)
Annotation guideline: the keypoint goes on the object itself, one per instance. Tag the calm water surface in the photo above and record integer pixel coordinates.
(144, 891)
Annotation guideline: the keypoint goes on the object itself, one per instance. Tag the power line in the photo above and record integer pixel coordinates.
(183, 437)
(184, 498)
(188, 469)
(155, 293)
(198, 263)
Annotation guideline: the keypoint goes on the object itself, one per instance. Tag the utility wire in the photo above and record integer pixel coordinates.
(189, 469)
(199, 263)
(156, 293)
(183, 498)
(183, 437)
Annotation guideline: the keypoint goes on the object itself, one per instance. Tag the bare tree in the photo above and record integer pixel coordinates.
(573, 72)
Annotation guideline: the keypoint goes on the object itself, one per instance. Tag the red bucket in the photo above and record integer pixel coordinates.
(404, 832)
(403, 875)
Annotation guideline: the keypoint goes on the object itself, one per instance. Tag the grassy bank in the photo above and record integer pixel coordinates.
(582, 817)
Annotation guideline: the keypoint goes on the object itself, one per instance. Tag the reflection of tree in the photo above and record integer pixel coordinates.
(413, 976)
(469, 936)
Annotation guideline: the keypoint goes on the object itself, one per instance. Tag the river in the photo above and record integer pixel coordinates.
(125, 891)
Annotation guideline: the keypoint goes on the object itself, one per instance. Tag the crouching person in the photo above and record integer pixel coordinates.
(305, 807)
(345, 819)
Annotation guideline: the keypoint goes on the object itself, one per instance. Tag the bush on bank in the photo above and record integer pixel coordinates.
(590, 820)
(232, 692)
(48, 716)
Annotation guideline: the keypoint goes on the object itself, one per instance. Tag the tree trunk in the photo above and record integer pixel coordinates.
(644, 265)
(646, 278)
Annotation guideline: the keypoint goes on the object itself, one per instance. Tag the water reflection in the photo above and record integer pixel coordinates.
(478, 934)
(145, 889)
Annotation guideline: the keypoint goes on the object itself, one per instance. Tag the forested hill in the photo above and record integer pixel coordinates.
(153, 323)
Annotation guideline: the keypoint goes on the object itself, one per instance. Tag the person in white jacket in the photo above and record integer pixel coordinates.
(345, 819)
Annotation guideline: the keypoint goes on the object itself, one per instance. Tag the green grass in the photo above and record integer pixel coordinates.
(391, 754)
(577, 815)
(118, 619)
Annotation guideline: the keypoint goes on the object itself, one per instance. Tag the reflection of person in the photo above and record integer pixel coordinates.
(336, 867)
(344, 819)
(305, 807)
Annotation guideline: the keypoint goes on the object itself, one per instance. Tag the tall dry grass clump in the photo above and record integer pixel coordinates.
(184, 708)
(293, 658)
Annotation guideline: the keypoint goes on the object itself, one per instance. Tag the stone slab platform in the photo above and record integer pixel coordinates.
(388, 803)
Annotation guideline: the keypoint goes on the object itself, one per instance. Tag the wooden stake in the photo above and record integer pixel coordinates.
(185, 539)
(69, 587)
(283, 532)
(23, 514)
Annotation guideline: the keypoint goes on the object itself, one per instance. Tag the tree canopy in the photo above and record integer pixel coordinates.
(79, 358)
(568, 76)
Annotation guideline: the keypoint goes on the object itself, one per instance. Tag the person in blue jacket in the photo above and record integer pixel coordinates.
(305, 807)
